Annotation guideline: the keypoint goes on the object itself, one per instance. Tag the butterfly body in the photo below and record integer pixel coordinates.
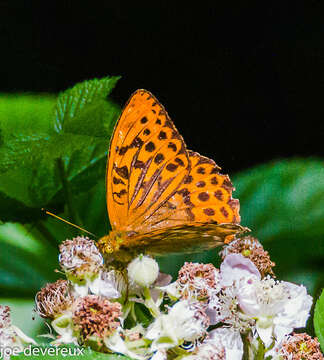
(161, 197)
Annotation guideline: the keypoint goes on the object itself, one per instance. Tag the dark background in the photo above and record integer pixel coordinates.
(243, 83)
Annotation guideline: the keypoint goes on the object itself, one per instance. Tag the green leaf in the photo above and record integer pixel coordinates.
(20, 254)
(66, 353)
(21, 113)
(283, 204)
(80, 110)
(76, 135)
(319, 320)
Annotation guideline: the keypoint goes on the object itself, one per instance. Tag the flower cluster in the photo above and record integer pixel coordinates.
(207, 313)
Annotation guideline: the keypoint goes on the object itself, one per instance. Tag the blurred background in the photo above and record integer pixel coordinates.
(243, 82)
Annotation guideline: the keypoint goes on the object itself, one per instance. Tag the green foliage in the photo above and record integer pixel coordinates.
(319, 320)
(65, 144)
(283, 203)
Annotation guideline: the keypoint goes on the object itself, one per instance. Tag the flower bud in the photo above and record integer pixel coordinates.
(95, 317)
(198, 280)
(143, 271)
(80, 258)
(54, 299)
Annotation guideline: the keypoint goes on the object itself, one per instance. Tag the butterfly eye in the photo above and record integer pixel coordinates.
(109, 248)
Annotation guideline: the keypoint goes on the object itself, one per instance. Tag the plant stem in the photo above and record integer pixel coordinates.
(150, 304)
(247, 350)
(74, 217)
(261, 350)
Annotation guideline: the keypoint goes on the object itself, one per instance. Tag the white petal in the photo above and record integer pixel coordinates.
(299, 304)
(163, 334)
(247, 298)
(281, 331)
(236, 267)
(265, 334)
(213, 315)
(23, 337)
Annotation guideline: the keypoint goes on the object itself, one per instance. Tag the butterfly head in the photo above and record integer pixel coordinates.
(110, 243)
(114, 247)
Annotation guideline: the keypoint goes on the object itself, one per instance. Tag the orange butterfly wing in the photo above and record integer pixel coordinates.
(163, 197)
(147, 162)
(208, 194)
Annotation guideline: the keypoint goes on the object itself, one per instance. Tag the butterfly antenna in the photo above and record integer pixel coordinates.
(68, 222)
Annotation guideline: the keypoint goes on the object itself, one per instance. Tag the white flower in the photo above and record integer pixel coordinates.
(278, 307)
(295, 312)
(185, 322)
(143, 271)
(236, 268)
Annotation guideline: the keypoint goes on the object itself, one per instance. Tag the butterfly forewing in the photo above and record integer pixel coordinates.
(147, 163)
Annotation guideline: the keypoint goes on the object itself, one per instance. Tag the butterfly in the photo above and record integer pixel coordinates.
(161, 197)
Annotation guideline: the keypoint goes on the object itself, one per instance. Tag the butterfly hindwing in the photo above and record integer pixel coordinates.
(208, 193)
(185, 238)
(205, 196)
